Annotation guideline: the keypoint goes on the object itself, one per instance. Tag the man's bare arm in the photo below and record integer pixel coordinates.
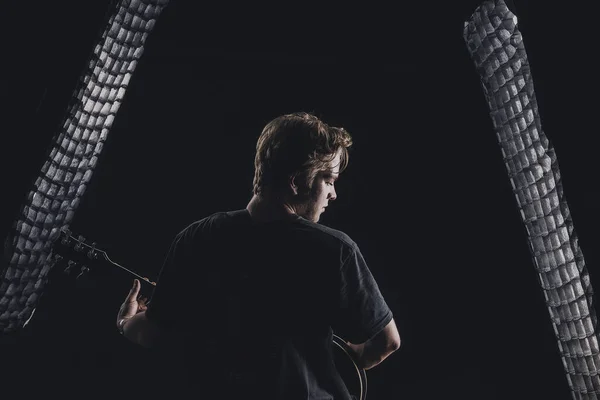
(378, 348)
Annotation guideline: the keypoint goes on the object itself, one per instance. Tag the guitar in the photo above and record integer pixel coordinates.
(81, 257)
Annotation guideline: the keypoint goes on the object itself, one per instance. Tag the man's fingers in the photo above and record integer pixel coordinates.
(149, 281)
(134, 291)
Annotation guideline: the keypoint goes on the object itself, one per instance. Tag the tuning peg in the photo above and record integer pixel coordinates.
(80, 242)
(70, 265)
(92, 252)
(84, 270)
(66, 238)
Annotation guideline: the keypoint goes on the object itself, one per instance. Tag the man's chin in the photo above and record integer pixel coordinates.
(314, 217)
(311, 217)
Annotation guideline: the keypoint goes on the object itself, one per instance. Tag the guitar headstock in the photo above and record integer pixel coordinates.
(81, 254)
(77, 252)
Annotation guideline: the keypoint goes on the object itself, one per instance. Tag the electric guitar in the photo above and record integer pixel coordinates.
(80, 257)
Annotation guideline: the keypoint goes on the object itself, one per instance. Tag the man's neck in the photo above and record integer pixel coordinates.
(267, 208)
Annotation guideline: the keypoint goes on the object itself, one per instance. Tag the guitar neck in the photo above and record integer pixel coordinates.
(135, 274)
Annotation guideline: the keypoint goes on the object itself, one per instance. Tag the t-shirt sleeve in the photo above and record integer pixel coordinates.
(163, 305)
(363, 311)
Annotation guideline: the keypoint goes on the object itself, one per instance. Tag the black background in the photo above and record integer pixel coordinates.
(426, 195)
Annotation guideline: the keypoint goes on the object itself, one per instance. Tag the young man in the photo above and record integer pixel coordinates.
(248, 300)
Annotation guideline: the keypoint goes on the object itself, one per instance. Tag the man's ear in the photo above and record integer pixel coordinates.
(293, 184)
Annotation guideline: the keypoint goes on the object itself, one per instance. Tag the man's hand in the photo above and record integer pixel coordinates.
(132, 305)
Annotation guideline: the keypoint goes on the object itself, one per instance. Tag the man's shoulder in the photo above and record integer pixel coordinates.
(328, 233)
(208, 222)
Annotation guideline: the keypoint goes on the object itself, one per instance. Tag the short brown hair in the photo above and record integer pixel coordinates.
(297, 144)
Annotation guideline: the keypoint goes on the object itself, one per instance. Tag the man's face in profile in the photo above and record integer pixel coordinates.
(321, 193)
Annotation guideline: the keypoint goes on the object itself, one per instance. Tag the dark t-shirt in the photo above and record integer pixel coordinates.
(250, 308)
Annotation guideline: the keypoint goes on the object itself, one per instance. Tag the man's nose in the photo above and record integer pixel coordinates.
(332, 195)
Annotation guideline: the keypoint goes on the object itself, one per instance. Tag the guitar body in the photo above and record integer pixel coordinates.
(354, 377)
